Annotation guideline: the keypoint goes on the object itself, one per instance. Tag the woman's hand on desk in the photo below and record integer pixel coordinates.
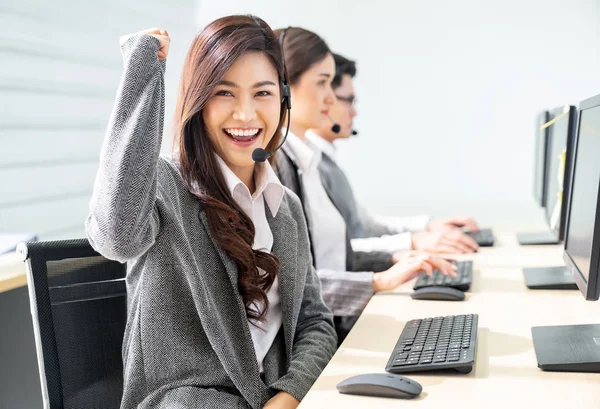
(282, 400)
(448, 242)
(410, 266)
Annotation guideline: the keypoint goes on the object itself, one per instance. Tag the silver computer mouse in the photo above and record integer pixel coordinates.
(381, 385)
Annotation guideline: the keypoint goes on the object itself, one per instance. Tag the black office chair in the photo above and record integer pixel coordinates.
(78, 305)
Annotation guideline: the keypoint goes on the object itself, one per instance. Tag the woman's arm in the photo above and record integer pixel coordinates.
(123, 222)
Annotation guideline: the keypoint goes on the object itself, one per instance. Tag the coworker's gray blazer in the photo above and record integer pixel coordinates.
(187, 342)
(360, 224)
(345, 292)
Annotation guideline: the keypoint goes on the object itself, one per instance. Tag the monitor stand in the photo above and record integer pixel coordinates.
(549, 278)
(567, 348)
(533, 238)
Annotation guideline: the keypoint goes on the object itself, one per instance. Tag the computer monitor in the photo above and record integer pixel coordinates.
(551, 169)
(561, 129)
(582, 234)
(576, 348)
(541, 153)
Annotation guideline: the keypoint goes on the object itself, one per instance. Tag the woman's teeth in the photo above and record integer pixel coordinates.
(242, 133)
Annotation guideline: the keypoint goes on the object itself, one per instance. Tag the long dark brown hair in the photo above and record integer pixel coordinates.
(211, 54)
(302, 49)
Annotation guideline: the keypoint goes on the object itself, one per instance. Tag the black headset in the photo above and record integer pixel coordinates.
(259, 154)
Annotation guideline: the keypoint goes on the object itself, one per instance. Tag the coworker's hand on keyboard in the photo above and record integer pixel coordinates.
(410, 266)
(162, 36)
(448, 242)
(452, 223)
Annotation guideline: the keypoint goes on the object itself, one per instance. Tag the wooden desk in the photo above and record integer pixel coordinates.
(505, 374)
(12, 272)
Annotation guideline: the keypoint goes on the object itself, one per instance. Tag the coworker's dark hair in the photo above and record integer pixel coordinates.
(301, 48)
(211, 54)
(342, 66)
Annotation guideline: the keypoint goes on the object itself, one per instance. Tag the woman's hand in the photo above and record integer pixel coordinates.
(282, 400)
(410, 266)
(162, 36)
(447, 241)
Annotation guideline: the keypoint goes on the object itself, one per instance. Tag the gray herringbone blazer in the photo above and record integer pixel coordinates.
(187, 342)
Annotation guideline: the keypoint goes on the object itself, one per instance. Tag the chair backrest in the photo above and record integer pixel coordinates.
(79, 308)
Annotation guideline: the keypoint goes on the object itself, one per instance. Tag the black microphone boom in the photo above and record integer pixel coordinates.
(261, 155)
(335, 128)
(354, 132)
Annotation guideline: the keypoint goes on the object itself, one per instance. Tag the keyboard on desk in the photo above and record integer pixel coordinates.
(462, 281)
(438, 343)
(484, 237)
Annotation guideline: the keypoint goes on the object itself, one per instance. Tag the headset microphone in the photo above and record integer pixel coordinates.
(335, 128)
(261, 155)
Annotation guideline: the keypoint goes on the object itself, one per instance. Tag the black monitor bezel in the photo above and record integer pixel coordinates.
(559, 231)
(589, 289)
(542, 118)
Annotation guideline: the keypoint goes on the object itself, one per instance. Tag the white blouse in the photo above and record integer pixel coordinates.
(269, 189)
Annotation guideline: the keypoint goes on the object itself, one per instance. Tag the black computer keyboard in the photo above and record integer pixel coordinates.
(462, 281)
(484, 237)
(431, 344)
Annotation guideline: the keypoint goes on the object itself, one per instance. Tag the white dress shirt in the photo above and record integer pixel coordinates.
(270, 190)
(402, 226)
(328, 230)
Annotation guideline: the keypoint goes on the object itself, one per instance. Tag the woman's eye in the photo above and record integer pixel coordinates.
(263, 93)
(223, 93)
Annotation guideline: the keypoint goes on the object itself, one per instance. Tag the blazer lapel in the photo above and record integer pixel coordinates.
(285, 237)
(230, 336)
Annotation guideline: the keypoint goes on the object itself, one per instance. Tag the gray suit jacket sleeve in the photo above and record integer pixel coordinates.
(346, 293)
(371, 227)
(123, 221)
(371, 261)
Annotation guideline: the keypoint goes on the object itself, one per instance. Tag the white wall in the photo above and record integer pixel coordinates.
(448, 91)
(60, 66)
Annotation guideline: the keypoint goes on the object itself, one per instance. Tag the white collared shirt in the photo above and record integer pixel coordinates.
(269, 189)
(403, 226)
(328, 230)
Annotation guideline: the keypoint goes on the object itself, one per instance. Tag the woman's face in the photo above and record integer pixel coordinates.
(312, 96)
(243, 111)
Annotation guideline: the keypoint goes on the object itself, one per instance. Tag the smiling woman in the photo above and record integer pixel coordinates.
(218, 252)
(244, 112)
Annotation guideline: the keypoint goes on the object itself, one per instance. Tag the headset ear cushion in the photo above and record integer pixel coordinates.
(287, 96)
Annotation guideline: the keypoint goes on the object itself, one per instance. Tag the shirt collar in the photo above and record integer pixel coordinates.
(307, 154)
(266, 181)
(324, 145)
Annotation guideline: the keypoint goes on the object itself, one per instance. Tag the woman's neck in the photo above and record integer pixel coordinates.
(298, 130)
(246, 175)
